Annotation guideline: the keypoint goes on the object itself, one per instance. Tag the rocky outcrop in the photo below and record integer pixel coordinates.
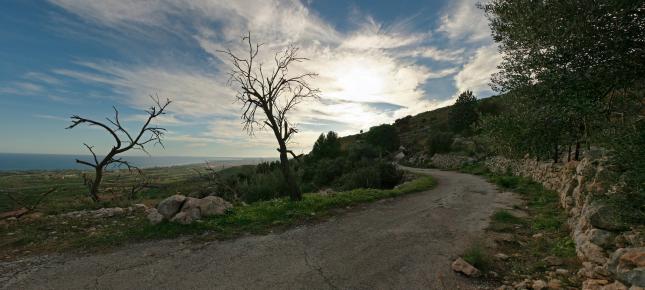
(186, 210)
(607, 247)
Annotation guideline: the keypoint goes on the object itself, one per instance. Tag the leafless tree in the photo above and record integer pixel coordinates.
(124, 142)
(275, 93)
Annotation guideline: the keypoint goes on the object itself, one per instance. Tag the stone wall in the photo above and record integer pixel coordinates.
(607, 248)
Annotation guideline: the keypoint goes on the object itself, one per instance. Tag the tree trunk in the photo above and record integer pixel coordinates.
(555, 153)
(577, 155)
(569, 153)
(94, 190)
(294, 191)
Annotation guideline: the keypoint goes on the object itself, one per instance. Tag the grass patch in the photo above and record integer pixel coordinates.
(477, 256)
(544, 218)
(55, 234)
(503, 216)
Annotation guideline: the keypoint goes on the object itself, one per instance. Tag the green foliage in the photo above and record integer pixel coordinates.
(476, 255)
(439, 142)
(569, 67)
(503, 216)
(326, 146)
(384, 137)
(463, 113)
(379, 175)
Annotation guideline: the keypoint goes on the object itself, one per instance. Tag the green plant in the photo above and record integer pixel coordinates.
(477, 256)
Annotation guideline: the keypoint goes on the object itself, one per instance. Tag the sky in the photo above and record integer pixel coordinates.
(376, 61)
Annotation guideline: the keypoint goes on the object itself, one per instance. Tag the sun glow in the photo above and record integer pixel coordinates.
(360, 81)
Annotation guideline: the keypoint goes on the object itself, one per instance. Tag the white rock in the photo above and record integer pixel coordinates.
(171, 205)
(154, 216)
(464, 267)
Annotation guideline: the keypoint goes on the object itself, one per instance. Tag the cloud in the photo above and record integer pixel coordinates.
(475, 75)
(372, 63)
(463, 20)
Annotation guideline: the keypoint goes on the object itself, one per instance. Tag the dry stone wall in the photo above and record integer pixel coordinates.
(607, 248)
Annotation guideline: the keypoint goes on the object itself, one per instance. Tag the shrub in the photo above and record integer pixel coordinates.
(383, 137)
(439, 142)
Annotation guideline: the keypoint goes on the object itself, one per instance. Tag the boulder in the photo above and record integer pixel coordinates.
(602, 238)
(190, 210)
(614, 286)
(554, 284)
(154, 216)
(171, 205)
(628, 264)
(465, 268)
(607, 218)
(538, 285)
(213, 205)
(592, 252)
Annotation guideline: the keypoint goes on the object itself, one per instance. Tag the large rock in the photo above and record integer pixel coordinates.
(607, 218)
(628, 264)
(171, 205)
(189, 212)
(465, 268)
(213, 205)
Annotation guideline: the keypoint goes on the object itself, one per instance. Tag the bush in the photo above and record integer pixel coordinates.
(383, 137)
(380, 175)
(439, 142)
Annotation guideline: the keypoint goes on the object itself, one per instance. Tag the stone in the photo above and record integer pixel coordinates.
(628, 264)
(191, 210)
(554, 284)
(594, 284)
(108, 212)
(552, 261)
(602, 238)
(154, 216)
(182, 218)
(171, 205)
(522, 285)
(538, 235)
(607, 218)
(465, 268)
(213, 205)
(563, 272)
(501, 256)
(538, 285)
(614, 286)
(592, 252)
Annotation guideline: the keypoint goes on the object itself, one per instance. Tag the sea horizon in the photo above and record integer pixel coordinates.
(46, 162)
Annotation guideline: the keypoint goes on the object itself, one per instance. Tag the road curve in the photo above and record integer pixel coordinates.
(402, 243)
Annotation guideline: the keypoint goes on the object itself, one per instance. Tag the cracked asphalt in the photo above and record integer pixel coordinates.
(403, 243)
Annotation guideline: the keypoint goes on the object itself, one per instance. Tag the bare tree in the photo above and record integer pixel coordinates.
(26, 207)
(124, 142)
(275, 93)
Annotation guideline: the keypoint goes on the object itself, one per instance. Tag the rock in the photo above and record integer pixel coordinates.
(522, 285)
(601, 238)
(140, 207)
(554, 284)
(592, 252)
(607, 218)
(213, 205)
(501, 256)
(594, 284)
(505, 287)
(636, 288)
(154, 216)
(399, 156)
(628, 264)
(182, 218)
(552, 261)
(614, 286)
(562, 271)
(108, 212)
(538, 235)
(171, 205)
(538, 285)
(464, 267)
(191, 210)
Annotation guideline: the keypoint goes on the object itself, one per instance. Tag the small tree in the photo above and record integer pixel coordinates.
(125, 141)
(275, 93)
(326, 146)
(463, 113)
(384, 137)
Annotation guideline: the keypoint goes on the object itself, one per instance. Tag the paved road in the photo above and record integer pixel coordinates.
(403, 243)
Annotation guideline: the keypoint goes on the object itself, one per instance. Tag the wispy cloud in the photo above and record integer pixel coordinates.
(372, 63)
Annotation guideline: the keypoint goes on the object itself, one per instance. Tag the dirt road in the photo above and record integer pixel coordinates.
(403, 243)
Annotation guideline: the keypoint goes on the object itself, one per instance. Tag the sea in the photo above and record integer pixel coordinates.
(24, 162)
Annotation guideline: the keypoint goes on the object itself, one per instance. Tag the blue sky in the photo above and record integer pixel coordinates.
(377, 61)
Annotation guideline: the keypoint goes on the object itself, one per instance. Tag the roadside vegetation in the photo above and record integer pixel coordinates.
(530, 241)
(55, 234)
